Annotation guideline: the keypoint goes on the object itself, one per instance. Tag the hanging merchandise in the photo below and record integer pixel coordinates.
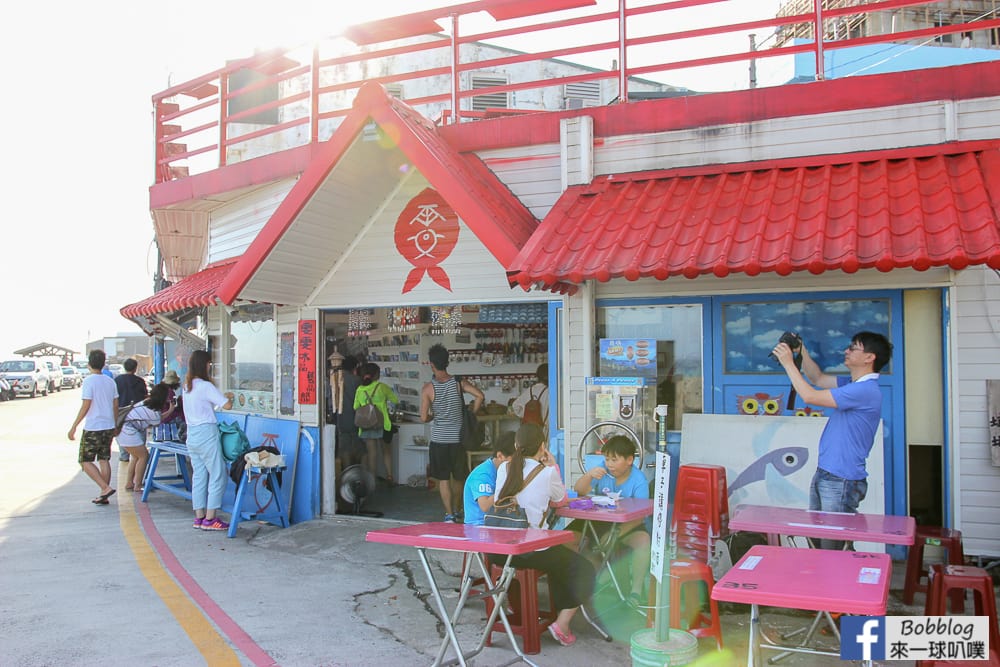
(446, 320)
(359, 321)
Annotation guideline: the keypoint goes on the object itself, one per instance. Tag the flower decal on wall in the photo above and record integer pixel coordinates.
(426, 234)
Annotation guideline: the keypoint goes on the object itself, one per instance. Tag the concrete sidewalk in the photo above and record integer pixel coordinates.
(318, 594)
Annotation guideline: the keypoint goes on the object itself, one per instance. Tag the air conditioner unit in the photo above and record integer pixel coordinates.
(580, 103)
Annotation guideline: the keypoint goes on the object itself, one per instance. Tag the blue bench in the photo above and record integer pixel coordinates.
(164, 442)
(258, 495)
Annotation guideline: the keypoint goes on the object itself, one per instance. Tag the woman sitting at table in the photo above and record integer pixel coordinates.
(571, 576)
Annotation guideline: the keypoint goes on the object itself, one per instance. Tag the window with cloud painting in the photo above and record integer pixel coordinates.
(751, 330)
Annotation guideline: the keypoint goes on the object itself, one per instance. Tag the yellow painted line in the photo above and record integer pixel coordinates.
(212, 645)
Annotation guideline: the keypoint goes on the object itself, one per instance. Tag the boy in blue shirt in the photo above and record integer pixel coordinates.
(619, 475)
(481, 482)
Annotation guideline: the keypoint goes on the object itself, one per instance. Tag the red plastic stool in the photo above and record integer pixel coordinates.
(956, 579)
(702, 496)
(528, 621)
(951, 540)
(683, 573)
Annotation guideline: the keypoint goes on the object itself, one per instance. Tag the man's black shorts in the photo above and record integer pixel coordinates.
(448, 460)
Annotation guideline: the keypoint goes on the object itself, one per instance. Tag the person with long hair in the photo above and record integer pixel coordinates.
(571, 576)
(209, 476)
(156, 408)
(372, 391)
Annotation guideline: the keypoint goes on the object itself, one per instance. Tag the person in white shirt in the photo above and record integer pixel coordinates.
(209, 475)
(532, 406)
(97, 412)
(571, 576)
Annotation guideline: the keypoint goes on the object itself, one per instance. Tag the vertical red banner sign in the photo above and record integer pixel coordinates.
(307, 362)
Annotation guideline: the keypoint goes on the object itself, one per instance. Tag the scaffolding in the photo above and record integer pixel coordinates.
(935, 14)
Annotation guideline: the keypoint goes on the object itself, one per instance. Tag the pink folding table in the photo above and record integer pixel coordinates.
(474, 541)
(848, 582)
(777, 521)
(813, 525)
(624, 511)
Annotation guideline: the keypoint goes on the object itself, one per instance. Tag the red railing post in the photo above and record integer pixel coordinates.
(314, 95)
(818, 33)
(622, 54)
(158, 169)
(223, 116)
(456, 114)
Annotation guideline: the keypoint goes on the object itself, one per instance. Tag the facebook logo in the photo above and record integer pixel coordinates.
(862, 637)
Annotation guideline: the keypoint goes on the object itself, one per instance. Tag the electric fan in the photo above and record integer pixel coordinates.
(356, 484)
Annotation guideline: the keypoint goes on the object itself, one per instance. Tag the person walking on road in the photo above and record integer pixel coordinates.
(99, 406)
(209, 478)
(132, 390)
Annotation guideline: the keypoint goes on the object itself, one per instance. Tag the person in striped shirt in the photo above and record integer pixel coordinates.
(441, 402)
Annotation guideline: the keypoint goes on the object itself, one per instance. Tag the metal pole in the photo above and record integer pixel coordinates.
(454, 69)
(622, 57)
(818, 33)
(660, 562)
(753, 61)
(314, 96)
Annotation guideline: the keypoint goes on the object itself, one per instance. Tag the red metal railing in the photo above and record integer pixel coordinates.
(207, 122)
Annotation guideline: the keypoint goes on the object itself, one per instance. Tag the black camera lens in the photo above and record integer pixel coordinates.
(793, 341)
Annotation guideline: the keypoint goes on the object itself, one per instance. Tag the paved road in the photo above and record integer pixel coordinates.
(132, 584)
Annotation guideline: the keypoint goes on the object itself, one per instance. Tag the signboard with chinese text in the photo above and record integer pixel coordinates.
(307, 362)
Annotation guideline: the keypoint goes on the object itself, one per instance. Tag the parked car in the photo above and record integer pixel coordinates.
(116, 369)
(55, 376)
(27, 376)
(71, 377)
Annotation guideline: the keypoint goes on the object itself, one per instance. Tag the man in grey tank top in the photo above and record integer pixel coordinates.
(441, 404)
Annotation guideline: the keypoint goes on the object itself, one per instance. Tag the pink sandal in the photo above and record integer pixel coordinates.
(566, 639)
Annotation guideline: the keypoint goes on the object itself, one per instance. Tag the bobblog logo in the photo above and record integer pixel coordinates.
(426, 234)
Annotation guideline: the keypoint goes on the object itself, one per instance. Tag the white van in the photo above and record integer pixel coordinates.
(27, 376)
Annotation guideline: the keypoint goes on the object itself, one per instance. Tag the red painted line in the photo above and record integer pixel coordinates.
(243, 642)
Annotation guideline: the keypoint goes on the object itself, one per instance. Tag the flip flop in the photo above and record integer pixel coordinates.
(105, 496)
(100, 501)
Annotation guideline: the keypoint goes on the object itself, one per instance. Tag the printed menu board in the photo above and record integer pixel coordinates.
(634, 357)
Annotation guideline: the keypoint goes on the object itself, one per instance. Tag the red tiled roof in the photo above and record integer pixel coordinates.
(829, 213)
(194, 291)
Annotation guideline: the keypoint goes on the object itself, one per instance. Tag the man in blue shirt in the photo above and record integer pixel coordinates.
(841, 479)
(481, 482)
(619, 475)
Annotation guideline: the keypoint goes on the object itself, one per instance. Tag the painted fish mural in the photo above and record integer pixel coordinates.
(785, 461)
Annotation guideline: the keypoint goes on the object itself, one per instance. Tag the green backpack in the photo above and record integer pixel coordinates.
(235, 442)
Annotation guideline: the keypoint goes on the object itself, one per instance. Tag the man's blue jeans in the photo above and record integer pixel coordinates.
(830, 493)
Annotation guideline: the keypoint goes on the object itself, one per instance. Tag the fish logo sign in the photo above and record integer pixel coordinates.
(426, 234)
(785, 461)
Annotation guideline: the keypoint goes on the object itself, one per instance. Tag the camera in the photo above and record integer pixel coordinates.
(793, 341)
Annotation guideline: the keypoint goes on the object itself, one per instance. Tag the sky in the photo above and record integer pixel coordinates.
(77, 238)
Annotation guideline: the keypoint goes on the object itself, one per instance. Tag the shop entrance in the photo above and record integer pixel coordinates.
(497, 347)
